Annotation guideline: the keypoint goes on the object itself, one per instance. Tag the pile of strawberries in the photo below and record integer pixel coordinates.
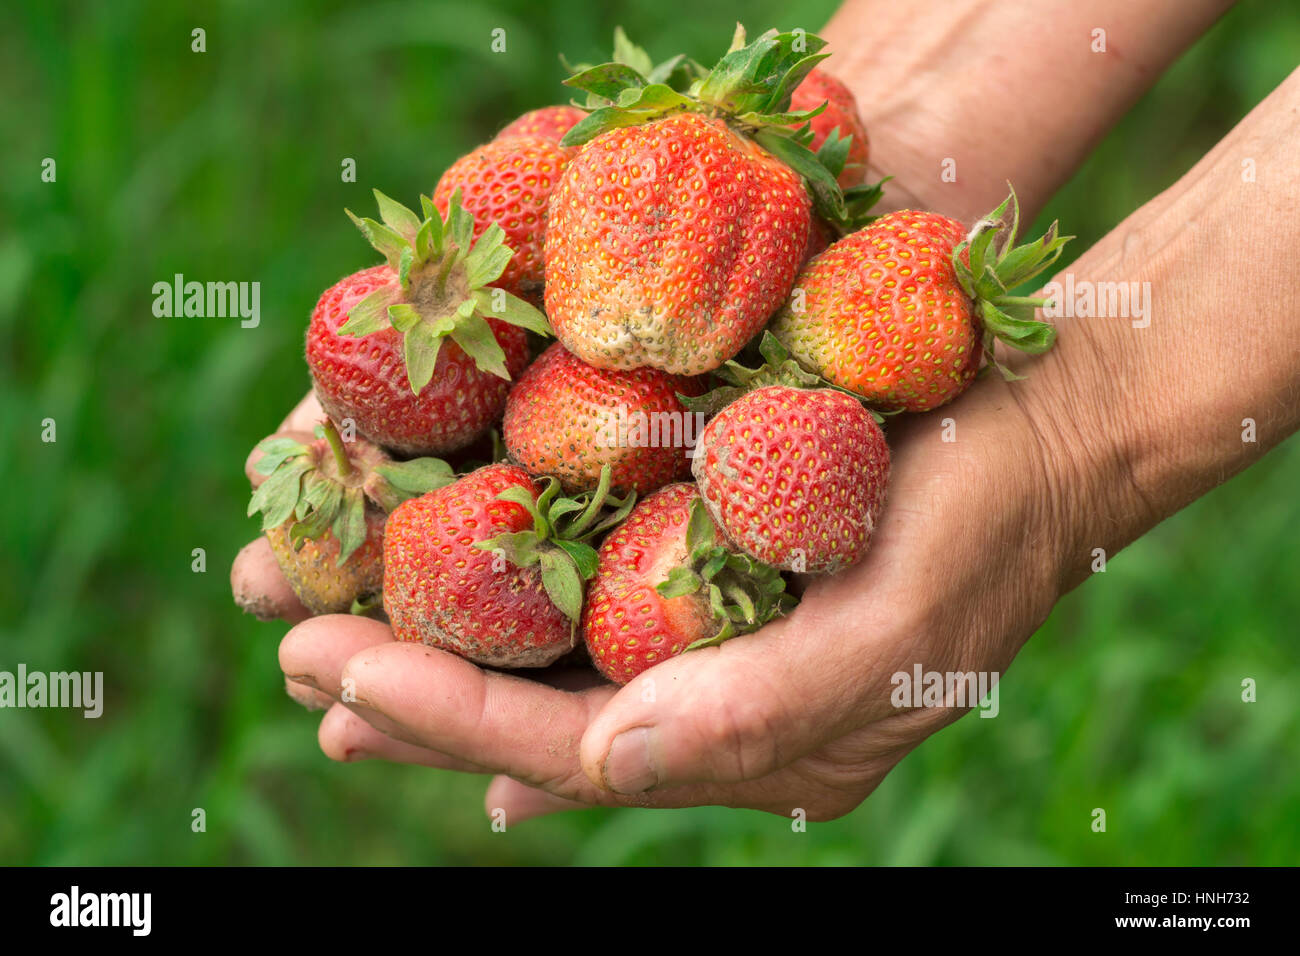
(681, 217)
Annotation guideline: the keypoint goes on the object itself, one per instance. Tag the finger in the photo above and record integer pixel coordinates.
(305, 416)
(512, 725)
(744, 709)
(518, 802)
(259, 586)
(308, 697)
(313, 653)
(255, 477)
(346, 737)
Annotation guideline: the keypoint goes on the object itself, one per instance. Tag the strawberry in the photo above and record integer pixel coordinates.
(323, 509)
(492, 568)
(567, 419)
(549, 122)
(664, 585)
(679, 227)
(795, 476)
(903, 311)
(419, 352)
(509, 182)
(839, 121)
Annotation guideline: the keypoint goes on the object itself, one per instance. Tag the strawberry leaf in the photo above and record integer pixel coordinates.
(827, 197)
(475, 338)
(350, 524)
(583, 555)
(421, 345)
(418, 476)
(562, 582)
(513, 310)
(388, 243)
(608, 80)
(681, 581)
(277, 497)
(276, 450)
(398, 218)
(370, 315)
(489, 257)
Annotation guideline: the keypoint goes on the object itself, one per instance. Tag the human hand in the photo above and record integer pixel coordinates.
(795, 716)
(978, 539)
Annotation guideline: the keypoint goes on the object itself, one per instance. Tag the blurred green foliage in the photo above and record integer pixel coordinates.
(226, 165)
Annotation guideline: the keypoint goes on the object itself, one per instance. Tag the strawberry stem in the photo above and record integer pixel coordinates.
(336, 445)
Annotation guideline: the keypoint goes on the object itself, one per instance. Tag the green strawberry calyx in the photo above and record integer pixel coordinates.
(989, 265)
(779, 367)
(859, 201)
(743, 592)
(677, 72)
(441, 287)
(749, 89)
(327, 486)
(560, 539)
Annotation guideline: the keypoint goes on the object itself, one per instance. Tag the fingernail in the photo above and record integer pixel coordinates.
(629, 766)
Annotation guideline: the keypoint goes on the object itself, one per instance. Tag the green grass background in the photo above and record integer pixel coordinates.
(225, 165)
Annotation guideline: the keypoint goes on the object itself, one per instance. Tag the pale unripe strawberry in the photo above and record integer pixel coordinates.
(323, 508)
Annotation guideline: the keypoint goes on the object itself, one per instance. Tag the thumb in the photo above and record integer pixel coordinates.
(730, 713)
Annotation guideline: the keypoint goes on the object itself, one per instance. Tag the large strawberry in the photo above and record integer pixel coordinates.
(419, 353)
(549, 122)
(567, 419)
(665, 584)
(509, 182)
(903, 311)
(680, 226)
(493, 567)
(795, 476)
(323, 509)
(839, 121)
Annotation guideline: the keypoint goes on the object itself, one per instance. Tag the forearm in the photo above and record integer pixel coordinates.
(1149, 413)
(1005, 90)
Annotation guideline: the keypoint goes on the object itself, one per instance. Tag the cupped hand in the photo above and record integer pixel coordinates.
(965, 564)
(795, 717)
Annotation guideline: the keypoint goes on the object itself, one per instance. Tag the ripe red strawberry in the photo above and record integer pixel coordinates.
(795, 476)
(567, 419)
(841, 113)
(509, 182)
(902, 311)
(323, 509)
(549, 122)
(492, 568)
(419, 352)
(664, 584)
(671, 241)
